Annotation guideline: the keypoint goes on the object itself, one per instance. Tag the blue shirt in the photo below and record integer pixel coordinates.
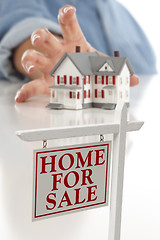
(106, 24)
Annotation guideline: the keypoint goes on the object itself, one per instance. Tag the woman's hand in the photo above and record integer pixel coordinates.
(39, 54)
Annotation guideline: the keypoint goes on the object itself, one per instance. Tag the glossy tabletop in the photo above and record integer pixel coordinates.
(141, 198)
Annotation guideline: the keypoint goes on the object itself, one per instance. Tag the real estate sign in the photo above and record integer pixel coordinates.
(69, 179)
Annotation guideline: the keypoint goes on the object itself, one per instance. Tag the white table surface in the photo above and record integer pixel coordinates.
(141, 198)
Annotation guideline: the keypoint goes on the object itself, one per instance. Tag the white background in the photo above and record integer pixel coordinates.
(147, 14)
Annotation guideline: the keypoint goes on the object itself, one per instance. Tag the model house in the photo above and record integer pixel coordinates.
(82, 80)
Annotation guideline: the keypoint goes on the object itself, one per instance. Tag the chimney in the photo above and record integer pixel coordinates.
(116, 53)
(78, 49)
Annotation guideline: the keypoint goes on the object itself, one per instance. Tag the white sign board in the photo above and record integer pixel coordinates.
(69, 179)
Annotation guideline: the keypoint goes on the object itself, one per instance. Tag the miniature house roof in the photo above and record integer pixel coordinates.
(92, 63)
(80, 60)
(116, 63)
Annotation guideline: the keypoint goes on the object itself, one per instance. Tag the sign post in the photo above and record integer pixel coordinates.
(75, 178)
(119, 143)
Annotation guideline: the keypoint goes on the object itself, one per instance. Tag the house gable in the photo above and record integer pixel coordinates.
(67, 67)
(106, 68)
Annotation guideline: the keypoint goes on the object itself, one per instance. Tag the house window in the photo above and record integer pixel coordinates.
(110, 80)
(121, 95)
(120, 80)
(99, 93)
(61, 80)
(87, 80)
(72, 95)
(99, 79)
(74, 80)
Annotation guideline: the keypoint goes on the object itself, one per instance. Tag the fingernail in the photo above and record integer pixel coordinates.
(17, 96)
(35, 38)
(66, 9)
(28, 66)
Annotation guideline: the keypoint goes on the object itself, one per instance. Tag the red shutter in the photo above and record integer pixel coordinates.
(58, 79)
(114, 80)
(85, 81)
(95, 93)
(77, 95)
(70, 94)
(102, 93)
(106, 80)
(65, 79)
(95, 79)
(77, 78)
(84, 93)
(70, 80)
(89, 93)
(102, 79)
(89, 79)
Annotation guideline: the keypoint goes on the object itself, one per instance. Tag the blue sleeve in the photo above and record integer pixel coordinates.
(12, 12)
(18, 20)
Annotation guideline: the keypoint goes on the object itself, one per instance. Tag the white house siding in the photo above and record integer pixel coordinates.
(88, 89)
(123, 85)
(102, 94)
(62, 96)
